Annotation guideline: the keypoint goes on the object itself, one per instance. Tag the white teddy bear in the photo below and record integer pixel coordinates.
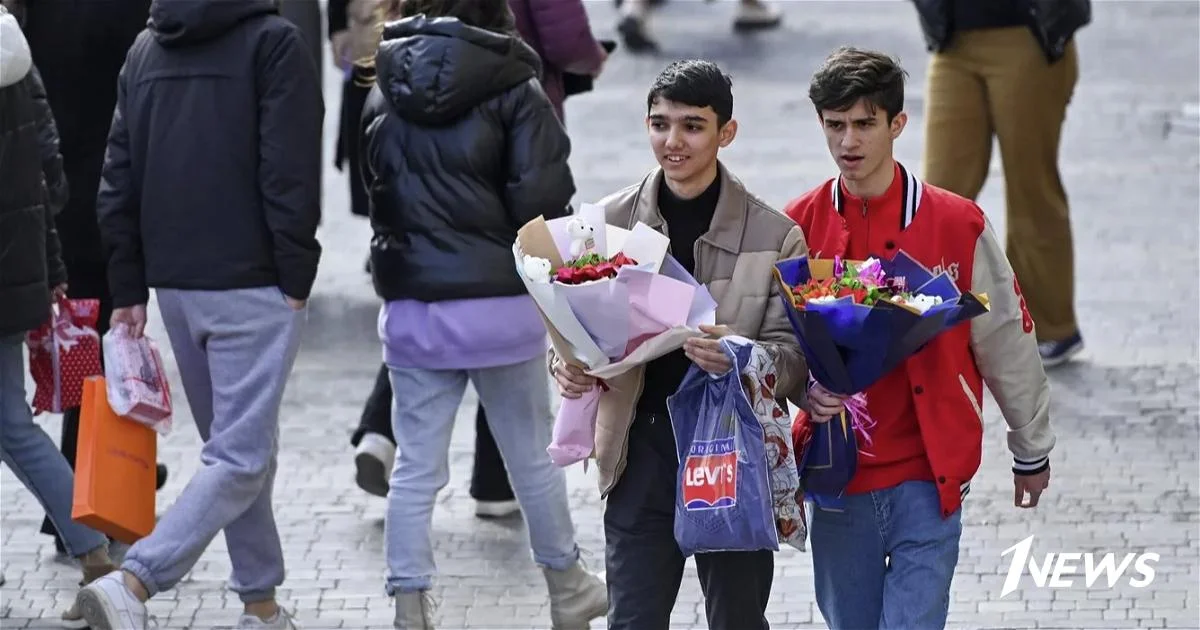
(582, 236)
(537, 269)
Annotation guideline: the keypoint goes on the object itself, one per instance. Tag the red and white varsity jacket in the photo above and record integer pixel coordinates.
(946, 232)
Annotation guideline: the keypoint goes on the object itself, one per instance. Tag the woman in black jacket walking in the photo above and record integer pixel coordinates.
(461, 148)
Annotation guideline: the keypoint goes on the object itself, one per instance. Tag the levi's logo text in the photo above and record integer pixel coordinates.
(710, 475)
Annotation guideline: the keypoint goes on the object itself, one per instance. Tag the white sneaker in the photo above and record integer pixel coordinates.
(107, 604)
(373, 460)
(496, 509)
(755, 16)
(282, 621)
(72, 619)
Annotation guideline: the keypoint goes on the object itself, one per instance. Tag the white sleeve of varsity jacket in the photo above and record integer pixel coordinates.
(1006, 352)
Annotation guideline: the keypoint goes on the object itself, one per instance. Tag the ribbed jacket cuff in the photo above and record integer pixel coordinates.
(1030, 466)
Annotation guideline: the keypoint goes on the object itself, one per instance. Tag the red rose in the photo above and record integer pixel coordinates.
(620, 260)
(565, 275)
(606, 270)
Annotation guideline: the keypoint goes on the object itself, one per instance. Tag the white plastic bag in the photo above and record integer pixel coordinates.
(136, 381)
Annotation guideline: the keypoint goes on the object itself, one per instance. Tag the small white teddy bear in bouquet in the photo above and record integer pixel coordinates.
(536, 269)
(582, 236)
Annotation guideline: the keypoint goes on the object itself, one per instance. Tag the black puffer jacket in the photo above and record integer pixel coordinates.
(30, 257)
(461, 149)
(1053, 22)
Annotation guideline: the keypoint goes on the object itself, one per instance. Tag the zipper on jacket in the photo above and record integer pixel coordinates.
(864, 208)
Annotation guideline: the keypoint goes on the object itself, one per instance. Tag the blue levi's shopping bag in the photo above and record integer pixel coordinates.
(723, 500)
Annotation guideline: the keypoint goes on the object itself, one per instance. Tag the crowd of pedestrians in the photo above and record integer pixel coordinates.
(452, 136)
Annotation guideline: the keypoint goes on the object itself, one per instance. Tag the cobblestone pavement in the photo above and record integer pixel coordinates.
(1126, 467)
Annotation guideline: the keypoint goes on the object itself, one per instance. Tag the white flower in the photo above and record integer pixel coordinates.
(921, 303)
(824, 299)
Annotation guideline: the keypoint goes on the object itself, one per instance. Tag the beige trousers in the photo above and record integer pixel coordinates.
(998, 82)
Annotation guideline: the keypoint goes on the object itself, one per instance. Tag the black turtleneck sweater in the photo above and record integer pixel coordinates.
(686, 221)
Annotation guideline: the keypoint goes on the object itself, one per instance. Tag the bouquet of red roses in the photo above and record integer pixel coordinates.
(612, 299)
(592, 266)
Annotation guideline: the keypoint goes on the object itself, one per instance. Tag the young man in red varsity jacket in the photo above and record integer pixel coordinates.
(887, 559)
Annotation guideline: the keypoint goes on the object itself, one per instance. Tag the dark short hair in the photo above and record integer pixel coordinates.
(853, 74)
(697, 83)
(490, 15)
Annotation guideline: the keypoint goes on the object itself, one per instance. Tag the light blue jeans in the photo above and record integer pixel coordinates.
(32, 456)
(887, 560)
(424, 405)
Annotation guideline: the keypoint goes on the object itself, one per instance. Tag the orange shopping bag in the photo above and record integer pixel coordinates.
(114, 469)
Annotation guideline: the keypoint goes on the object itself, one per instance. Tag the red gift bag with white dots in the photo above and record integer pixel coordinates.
(62, 353)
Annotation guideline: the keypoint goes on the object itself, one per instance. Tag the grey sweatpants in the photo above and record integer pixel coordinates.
(235, 350)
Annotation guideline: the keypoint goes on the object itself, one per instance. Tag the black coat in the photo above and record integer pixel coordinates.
(79, 47)
(1053, 22)
(32, 189)
(212, 176)
(461, 148)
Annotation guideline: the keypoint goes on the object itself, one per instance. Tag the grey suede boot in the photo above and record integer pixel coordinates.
(576, 597)
(414, 611)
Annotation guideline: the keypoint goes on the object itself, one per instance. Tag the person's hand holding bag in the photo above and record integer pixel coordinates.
(132, 316)
(706, 352)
